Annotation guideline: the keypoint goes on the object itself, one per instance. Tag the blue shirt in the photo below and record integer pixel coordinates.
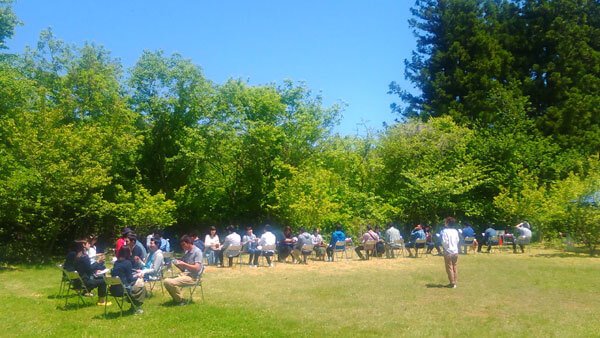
(164, 245)
(141, 246)
(489, 233)
(468, 232)
(337, 236)
(417, 234)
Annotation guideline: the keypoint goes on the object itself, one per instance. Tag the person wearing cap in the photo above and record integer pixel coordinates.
(232, 239)
(416, 233)
(191, 269)
(524, 236)
(450, 240)
(121, 241)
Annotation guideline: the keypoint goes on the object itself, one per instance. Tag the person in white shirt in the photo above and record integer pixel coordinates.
(232, 239)
(91, 251)
(267, 239)
(450, 241)
(212, 246)
(524, 237)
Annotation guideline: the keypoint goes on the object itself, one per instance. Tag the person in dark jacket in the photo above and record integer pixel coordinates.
(87, 274)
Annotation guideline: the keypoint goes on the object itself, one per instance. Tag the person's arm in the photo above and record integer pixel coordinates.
(192, 267)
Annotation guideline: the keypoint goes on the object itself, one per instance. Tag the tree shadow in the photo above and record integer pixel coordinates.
(435, 286)
(7, 269)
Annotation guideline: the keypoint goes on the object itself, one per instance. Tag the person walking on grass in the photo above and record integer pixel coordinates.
(450, 241)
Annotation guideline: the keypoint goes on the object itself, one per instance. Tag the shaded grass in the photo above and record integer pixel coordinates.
(500, 294)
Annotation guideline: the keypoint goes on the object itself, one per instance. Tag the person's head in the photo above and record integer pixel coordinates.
(186, 242)
(124, 253)
(125, 232)
(450, 222)
(389, 225)
(467, 225)
(154, 244)
(418, 227)
(131, 239)
(268, 228)
(212, 231)
(80, 247)
(157, 234)
(369, 228)
(338, 227)
(377, 228)
(287, 230)
(231, 229)
(194, 235)
(249, 230)
(316, 231)
(301, 230)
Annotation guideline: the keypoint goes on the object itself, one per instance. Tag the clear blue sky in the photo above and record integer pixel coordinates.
(347, 50)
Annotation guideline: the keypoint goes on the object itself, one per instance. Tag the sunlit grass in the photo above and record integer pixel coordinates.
(544, 293)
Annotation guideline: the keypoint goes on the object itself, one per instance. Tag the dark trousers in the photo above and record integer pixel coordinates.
(488, 243)
(284, 252)
(253, 259)
(91, 284)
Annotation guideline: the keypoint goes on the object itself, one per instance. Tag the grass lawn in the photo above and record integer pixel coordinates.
(542, 293)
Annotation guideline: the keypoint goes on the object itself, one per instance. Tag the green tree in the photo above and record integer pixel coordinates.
(8, 21)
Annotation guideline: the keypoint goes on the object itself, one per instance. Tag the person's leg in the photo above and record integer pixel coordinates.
(230, 261)
(268, 257)
(522, 248)
(219, 254)
(408, 246)
(358, 249)
(514, 246)
(480, 244)
(174, 284)
(329, 251)
(448, 266)
(250, 256)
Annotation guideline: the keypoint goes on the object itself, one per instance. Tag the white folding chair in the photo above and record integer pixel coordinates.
(157, 278)
(268, 250)
(233, 251)
(168, 257)
(306, 250)
(64, 281)
(397, 245)
(340, 249)
(491, 243)
(73, 279)
(468, 242)
(120, 300)
(370, 246)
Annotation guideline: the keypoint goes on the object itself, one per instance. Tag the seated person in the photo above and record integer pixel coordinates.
(303, 238)
(249, 246)
(370, 235)
(197, 241)
(391, 236)
(286, 244)
(84, 268)
(165, 246)
(232, 239)
(319, 246)
(69, 263)
(153, 262)
(191, 269)
(431, 241)
(416, 233)
(267, 239)
(99, 263)
(137, 254)
(487, 238)
(212, 246)
(337, 236)
(121, 242)
(92, 239)
(123, 269)
(524, 236)
(467, 232)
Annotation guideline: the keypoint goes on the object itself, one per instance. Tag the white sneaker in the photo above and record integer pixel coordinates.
(271, 265)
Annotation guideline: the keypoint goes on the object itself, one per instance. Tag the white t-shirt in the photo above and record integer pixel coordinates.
(450, 241)
(208, 241)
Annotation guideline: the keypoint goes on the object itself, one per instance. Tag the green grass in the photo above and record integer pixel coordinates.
(544, 293)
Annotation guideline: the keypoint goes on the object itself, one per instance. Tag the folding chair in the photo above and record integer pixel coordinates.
(192, 287)
(468, 242)
(492, 243)
(64, 281)
(420, 243)
(158, 278)
(268, 250)
(306, 250)
(73, 279)
(116, 281)
(525, 242)
(370, 246)
(397, 245)
(233, 251)
(168, 257)
(340, 247)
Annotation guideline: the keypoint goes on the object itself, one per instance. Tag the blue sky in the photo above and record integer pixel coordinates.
(347, 50)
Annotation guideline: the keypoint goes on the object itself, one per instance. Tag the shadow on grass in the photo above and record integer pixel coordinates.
(115, 314)
(564, 255)
(436, 286)
(7, 269)
(73, 306)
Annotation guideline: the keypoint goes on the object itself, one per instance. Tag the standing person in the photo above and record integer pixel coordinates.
(250, 243)
(524, 236)
(191, 269)
(212, 245)
(337, 236)
(450, 241)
